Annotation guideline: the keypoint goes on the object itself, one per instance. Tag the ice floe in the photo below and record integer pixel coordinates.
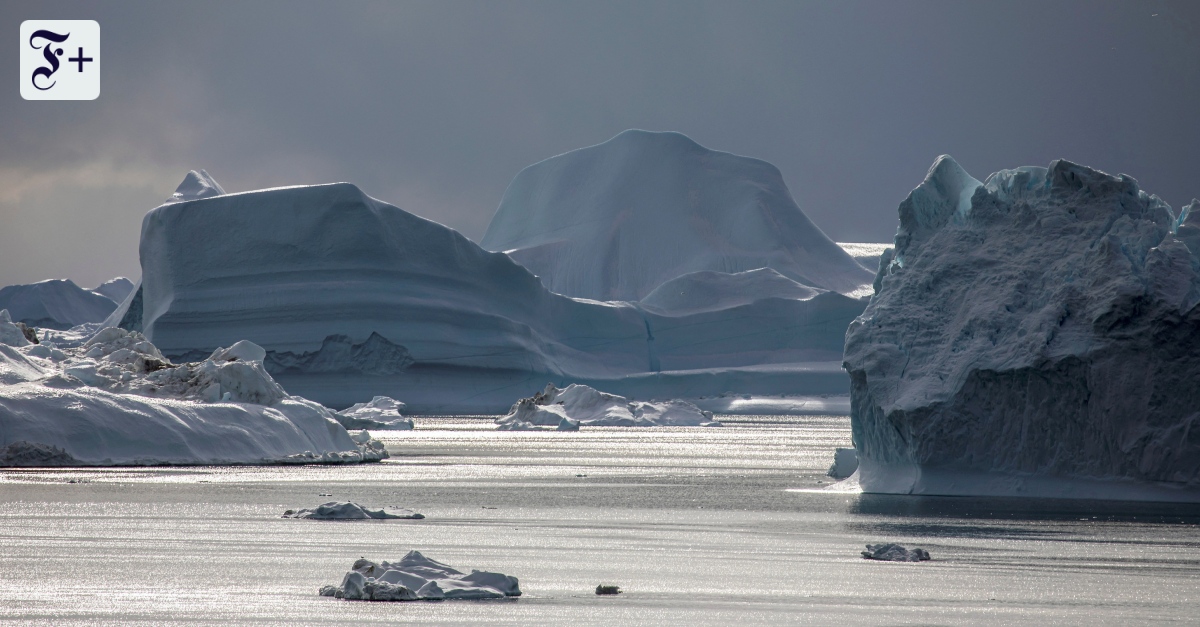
(345, 510)
(579, 405)
(890, 552)
(418, 578)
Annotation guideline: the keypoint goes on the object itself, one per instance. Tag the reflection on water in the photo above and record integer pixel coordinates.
(698, 526)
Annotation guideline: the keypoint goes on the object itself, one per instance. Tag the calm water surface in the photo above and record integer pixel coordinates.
(698, 526)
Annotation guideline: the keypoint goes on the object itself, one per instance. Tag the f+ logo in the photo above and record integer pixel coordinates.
(43, 46)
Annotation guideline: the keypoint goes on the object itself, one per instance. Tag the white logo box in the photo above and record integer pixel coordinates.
(60, 60)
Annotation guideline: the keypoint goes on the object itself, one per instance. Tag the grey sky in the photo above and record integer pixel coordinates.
(435, 106)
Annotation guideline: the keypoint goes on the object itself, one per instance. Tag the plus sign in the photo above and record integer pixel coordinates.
(80, 59)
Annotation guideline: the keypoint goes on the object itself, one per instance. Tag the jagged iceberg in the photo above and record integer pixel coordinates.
(617, 220)
(353, 298)
(416, 577)
(577, 405)
(1034, 334)
(115, 400)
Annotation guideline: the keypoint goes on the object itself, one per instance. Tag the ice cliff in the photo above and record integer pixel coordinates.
(1036, 334)
(617, 220)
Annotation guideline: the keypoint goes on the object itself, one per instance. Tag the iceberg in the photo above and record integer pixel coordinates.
(55, 304)
(580, 405)
(345, 510)
(1036, 334)
(352, 298)
(116, 290)
(416, 577)
(617, 220)
(380, 412)
(116, 400)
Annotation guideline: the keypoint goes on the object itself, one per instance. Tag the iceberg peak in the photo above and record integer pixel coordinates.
(943, 196)
(196, 185)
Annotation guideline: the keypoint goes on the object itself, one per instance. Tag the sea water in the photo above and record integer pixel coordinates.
(722, 525)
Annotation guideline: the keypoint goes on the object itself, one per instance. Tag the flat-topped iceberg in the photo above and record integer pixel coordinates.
(1034, 334)
(580, 405)
(115, 400)
(418, 578)
(352, 298)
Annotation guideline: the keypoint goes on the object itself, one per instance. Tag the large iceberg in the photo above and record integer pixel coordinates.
(352, 298)
(1034, 334)
(617, 220)
(115, 400)
(58, 303)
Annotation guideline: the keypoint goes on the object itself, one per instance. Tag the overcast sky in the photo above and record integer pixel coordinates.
(435, 106)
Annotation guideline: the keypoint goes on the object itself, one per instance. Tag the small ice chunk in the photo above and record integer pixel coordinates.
(381, 413)
(345, 510)
(845, 462)
(432, 580)
(891, 552)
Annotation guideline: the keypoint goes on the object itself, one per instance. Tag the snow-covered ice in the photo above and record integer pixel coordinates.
(1034, 334)
(891, 552)
(580, 405)
(115, 400)
(617, 220)
(418, 578)
(345, 510)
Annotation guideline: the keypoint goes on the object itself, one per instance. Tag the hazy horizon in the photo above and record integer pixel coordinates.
(435, 106)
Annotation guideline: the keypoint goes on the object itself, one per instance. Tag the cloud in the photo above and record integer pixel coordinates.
(435, 106)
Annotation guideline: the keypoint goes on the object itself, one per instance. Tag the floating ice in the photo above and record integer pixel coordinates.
(617, 220)
(416, 577)
(894, 553)
(116, 400)
(1037, 334)
(381, 412)
(845, 463)
(345, 510)
(577, 405)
